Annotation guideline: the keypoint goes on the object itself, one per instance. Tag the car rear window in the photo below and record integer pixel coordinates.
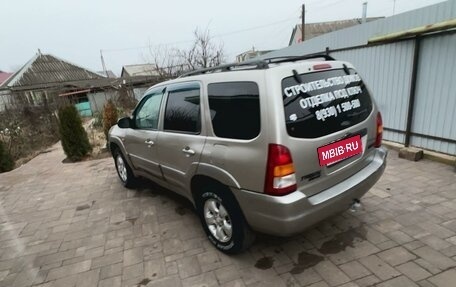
(320, 103)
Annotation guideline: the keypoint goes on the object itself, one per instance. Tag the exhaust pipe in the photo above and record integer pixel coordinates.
(356, 205)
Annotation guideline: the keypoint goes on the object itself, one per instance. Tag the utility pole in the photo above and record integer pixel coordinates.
(303, 22)
(103, 64)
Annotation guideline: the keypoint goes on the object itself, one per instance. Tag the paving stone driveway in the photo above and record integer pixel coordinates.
(75, 225)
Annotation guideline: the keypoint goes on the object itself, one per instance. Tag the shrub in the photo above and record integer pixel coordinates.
(6, 160)
(74, 138)
(25, 136)
(109, 116)
(98, 120)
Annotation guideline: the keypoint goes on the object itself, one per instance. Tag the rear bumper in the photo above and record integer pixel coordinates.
(293, 213)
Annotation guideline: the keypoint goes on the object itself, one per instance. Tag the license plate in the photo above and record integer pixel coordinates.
(340, 150)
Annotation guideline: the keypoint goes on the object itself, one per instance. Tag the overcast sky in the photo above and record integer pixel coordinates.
(77, 30)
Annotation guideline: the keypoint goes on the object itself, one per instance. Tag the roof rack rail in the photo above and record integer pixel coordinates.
(260, 64)
(298, 58)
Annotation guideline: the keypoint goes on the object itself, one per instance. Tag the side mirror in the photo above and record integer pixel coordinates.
(124, 123)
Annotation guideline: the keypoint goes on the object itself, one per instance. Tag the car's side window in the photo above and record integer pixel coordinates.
(149, 111)
(182, 112)
(235, 109)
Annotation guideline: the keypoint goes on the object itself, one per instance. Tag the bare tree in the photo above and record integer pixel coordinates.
(166, 61)
(203, 53)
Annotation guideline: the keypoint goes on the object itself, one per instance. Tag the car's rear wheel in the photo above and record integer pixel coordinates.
(223, 220)
(123, 169)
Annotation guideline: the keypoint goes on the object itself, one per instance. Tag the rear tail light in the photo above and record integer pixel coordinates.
(280, 172)
(378, 139)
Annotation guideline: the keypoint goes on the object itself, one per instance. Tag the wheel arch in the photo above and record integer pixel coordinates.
(218, 174)
(197, 184)
(200, 180)
(115, 143)
(210, 174)
(215, 176)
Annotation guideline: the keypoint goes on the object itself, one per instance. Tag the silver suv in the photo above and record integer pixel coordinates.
(273, 146)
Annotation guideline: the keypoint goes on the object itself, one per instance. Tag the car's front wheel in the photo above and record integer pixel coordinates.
(123, 169)
(223, 220)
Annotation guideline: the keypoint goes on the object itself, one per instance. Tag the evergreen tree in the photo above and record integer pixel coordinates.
(74, 138)
(6, 160)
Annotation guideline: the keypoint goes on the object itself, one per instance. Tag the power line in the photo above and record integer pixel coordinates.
(288, 18)
(273, 36)
(268, 37)
(145, 47)
(251, 29)
(316, 3)
(324, 4)
(221, 35)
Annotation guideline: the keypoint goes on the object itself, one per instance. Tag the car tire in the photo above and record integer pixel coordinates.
(124, 172)
(222, 219)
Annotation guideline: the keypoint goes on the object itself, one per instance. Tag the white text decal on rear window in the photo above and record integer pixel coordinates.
(315, 101)
(320, 84)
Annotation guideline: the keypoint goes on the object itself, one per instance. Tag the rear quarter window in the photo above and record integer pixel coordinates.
(321, 103)
(235, 109)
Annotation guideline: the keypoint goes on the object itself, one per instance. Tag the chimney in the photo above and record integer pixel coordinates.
(364, 12)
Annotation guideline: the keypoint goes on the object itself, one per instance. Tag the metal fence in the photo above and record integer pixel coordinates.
(413, 79)
(435, 103)
(413, 82)
(387, 70)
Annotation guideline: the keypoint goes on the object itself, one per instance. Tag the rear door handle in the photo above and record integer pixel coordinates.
(188, 151)
(149, 142)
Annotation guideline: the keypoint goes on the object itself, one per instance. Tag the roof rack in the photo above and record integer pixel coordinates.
(298, 58)
(229, 67)
(257, 64)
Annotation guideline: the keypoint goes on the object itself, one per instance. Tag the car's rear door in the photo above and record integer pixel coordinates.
(181, 141)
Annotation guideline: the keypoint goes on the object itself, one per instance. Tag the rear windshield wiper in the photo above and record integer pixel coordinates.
(346, 70)
(296, 76)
